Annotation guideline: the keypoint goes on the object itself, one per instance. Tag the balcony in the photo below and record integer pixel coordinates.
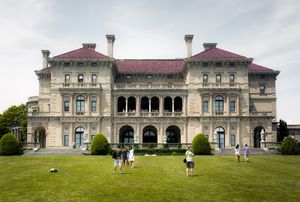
(33, 99)
(122, 86)
(221, 85)
(80, 85)
(36, 113)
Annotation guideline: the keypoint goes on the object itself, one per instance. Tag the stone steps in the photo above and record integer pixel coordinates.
(252, 151)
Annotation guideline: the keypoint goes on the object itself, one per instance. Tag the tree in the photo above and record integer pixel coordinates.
(283, 130)
(289, 146)
(14, 116)
(9, 145)
(100, 145)
(200, 145)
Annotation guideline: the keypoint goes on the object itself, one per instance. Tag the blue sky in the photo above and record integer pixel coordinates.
(268, 31)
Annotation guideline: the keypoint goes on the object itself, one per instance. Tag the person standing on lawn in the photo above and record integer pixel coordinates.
(189, 161)
(246, 153)
(117, 156)
(237, 152)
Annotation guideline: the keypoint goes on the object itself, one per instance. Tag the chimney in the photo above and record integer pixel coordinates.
(188, 42)
(91, 46)
(209, 45)
(110, 45)
(46, 54)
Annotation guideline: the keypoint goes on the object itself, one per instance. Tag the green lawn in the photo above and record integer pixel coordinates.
(159, 178)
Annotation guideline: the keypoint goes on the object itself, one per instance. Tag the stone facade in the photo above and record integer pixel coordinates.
(220, 94)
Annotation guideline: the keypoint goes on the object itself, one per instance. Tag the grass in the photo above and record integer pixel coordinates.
(160, 178)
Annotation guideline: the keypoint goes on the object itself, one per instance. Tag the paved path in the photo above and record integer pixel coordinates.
(54, 152)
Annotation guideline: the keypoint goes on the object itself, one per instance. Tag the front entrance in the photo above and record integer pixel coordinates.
(126, 135)
(40, 136)
(149, 134)
(220, 132)
(79, 138)
(257, 136)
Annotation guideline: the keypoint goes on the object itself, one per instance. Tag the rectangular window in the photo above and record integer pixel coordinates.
(262, 89)
(67, 78)
(67, 64)
(232, 137)
(205, 64)
(80, 64)
(205, 78)
(94, 78)
(218, 64)
(66, 106)
(218, 78)
(66, 140)
(94, 64)
(232, 106)
(80, 78)
(231, 64)
(231, 78)
(205, 106)
(93, 106)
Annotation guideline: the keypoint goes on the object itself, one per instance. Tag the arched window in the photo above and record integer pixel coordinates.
(131, 104)
(126, 135)
(149, 134)
(145, 104)
(178, 104)
(154, 104)
(80, 103)
(219, 104)
(121, 104)
(173, 134)
(220, 132)
(79, 137)
(168, 104)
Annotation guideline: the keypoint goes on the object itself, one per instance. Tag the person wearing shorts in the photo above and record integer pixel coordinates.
(189, 162)
(117, 159)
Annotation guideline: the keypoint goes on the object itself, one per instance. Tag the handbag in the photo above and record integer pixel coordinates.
(184, 160)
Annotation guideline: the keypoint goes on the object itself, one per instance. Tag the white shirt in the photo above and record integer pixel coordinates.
(237, 151)
(189, 155)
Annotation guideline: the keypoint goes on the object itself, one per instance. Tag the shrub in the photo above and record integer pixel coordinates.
(289, 146)
(200, 145)
(9, 145)
(100, 145)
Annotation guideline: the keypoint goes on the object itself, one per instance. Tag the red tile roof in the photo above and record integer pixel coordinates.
(81, 53)
(43, 71)
(254, 68)
(215, 53)
(150, 65)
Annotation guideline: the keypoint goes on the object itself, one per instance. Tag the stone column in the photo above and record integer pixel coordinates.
(138, 106)
(201, 105)
(149, 108)
(211, 104)
(184, 107)
(87, 108)
(238, 104)
(228, 105)
(161, 106)
(227, 135)
(126, 107)
(71, 104)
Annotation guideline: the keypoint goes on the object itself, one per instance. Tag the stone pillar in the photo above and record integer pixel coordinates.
(184, 105)
(211, 104)
(71, 104)
(228, 105)
(87, 108)
(149, 108)
(227, 135)
(161, 106)
(201, 105)
(138, 106)
(126, 106)
(238, 104)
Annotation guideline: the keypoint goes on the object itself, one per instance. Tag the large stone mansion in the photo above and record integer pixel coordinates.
(221, 94)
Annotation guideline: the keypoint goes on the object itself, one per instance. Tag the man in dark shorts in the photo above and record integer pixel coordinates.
(189, 162)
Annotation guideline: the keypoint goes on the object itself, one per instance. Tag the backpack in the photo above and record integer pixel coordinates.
(114, 154)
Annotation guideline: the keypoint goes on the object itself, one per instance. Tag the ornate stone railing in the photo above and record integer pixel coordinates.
(148, 86)
(80, 85)
(220, 85)
(261, 114)
(33, 99)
